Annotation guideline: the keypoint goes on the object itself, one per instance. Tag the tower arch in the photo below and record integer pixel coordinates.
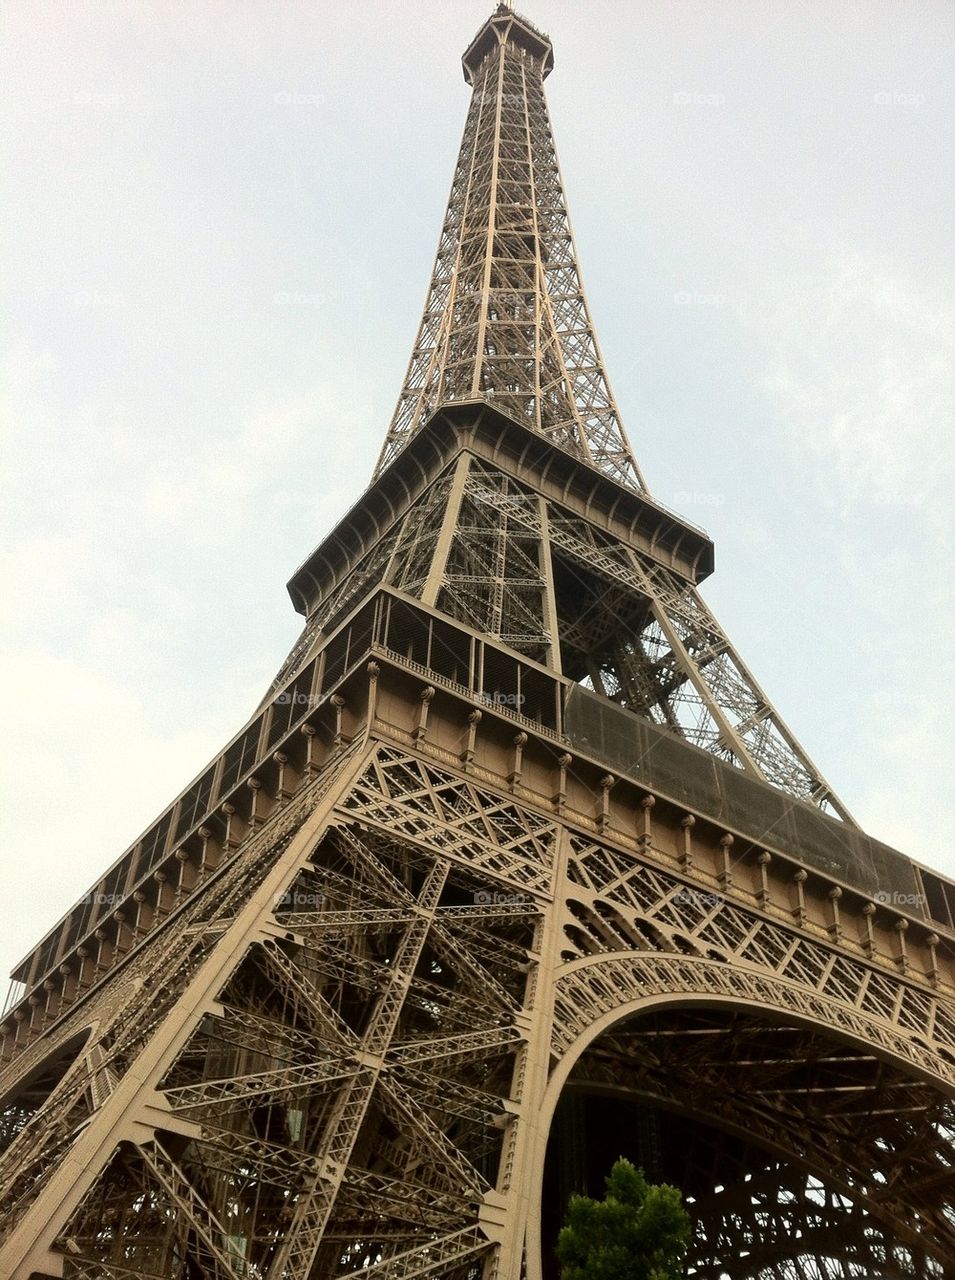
(725, 1083)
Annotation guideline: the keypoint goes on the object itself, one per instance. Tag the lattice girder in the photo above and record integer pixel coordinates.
(552, 585)
(362, 1056)
(412, 911)
(506, 317)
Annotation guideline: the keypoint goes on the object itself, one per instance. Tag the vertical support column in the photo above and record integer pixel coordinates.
(35, 1025)
(511, 1213)
(517, 763)
(142, 916)
(449, 526)
(87, 969)
(763, 897)
(868, 937)
(187, 875)
(104, 953)
(550, 594)
(310, 733)
(338, 702)
(725, 875)
(22, 1026)
(283, 791)
(901, 927)
(834, 927)
(124, 933)
(607, 782)
(68, 983)
(931, 943)
(420, 731)
(467, 755)
(645, 837)
(560, 795)
(209, 858)
(374, 671)
(799, 911)
(165, 895)
(256, 816)
(478, 371)
(686, 856)
(231, 839)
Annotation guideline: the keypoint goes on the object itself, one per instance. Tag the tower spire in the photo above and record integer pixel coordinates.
(506, 318)
(507, 325)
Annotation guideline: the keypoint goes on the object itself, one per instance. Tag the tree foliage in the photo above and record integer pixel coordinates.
(639, 1231)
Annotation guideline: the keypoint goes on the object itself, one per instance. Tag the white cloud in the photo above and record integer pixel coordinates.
(861, 369)
(904, 800)
(90, 770)
(857, 365)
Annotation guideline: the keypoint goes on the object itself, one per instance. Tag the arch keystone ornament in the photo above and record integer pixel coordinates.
(514, 870)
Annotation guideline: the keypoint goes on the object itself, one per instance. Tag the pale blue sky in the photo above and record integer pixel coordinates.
(222, 220)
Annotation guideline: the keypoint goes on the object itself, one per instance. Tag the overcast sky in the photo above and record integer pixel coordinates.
(222, 220)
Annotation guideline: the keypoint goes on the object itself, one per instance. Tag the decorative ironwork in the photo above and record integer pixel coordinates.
(318, 1022)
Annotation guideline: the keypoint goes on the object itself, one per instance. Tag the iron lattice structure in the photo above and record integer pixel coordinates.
(515, 869)
(506, 316)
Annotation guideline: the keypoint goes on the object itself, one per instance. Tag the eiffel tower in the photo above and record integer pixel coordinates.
(514, 870)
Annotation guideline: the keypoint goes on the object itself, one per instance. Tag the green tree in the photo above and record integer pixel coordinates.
(639, 1231)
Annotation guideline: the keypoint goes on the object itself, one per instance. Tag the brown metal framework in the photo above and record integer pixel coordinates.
(514, 870)
(506, 316)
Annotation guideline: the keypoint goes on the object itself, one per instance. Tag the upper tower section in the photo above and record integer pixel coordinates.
(506, 27)
(506, 319)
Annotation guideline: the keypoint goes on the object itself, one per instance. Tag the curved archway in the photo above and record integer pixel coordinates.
(817, 1135)
(38, 1085)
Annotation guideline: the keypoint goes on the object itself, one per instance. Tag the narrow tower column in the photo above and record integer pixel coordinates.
(506, 318)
